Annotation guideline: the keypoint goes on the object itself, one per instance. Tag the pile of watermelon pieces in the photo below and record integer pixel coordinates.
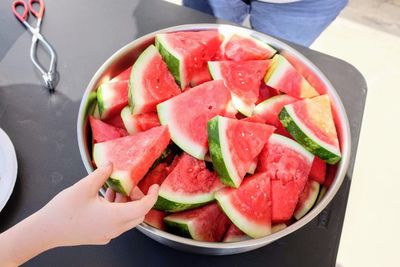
(238, 136)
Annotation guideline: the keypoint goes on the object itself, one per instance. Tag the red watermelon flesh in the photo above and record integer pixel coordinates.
(266, 92)
(241, 48)
(173, 164)
(234, 235)
(155, 176)
(131, 156)
(188, 113)
(207, 223)
(318, 170)
(115, 121)
(249, 206)
(102, 131)
(289, 165)
(246, 140)
(254, 118)
(190, 176)
(155, 218)
(202, 76)
(243, 79)
(139, 122)
(123, 76)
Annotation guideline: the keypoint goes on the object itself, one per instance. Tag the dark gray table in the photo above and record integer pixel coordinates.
(43, 129)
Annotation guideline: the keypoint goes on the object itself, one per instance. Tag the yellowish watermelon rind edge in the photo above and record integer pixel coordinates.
(309, 141)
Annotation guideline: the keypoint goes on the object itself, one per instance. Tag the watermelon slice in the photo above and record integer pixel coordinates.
(243, 79)
(186, 53)
(289, 165)
(102, 131)
(307, 199)
(123, 76)
(201, 76)
(188, 113)
(310, 122)
(115, 121)
(131, 156)
(207, 223)
(242, 48)
(150, 82)
(155, 218)
(249, 206)
(112, 97)
(318, 170)
(283, 76)
(233, 146)
(235, 235)
(139, 122)
(270, 108)
(189, 185)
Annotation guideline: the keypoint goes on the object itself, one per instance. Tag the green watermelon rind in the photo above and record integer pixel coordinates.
(119, 181)
(238, 103)
(101, 101)
(135, 85)
(309, 203)
(219, 152)
(165, 204)
(251, 229)
(171, 58)
(306, 138)
(180, 140)
(178, 227)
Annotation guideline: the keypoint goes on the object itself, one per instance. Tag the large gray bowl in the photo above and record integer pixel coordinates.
(124, 57)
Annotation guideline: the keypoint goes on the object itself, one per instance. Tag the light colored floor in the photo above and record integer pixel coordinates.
(366, 35)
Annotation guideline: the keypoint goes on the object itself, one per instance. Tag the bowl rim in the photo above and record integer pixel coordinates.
(225, 28)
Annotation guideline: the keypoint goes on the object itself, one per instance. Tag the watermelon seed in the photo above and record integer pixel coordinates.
(210, 107)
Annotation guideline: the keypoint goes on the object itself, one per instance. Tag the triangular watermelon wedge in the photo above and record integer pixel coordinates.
(102, 131)
(234, 144)
(284, 77)
(189, 185)
(150, 82)
(310, 122)
(243, 79)
(288, 164)
(242, 48)
(207, 223)
(187, 52)
(249, 206)
(188, 113)
(112, 97)
(131, 156)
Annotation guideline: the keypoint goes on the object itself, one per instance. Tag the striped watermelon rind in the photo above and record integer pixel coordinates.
(172, 58)
(167, 204)
(306, 138)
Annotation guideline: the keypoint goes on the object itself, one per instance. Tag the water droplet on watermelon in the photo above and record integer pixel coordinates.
(240, 74)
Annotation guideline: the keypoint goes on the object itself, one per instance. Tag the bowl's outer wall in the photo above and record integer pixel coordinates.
(125, 57)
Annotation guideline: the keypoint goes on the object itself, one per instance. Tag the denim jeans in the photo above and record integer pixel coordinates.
(298, 22)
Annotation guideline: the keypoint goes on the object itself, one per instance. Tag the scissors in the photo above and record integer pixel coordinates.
(49, 76)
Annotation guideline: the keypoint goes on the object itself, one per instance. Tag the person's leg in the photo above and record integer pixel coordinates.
(299, 22)
(232, 10)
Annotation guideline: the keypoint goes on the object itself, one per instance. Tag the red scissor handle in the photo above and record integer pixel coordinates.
(38, 14)
(24, 15)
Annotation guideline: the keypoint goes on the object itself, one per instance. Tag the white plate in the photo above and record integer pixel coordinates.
(8, 168)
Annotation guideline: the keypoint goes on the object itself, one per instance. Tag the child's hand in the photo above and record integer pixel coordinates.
(80, 216)
(76, 216)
